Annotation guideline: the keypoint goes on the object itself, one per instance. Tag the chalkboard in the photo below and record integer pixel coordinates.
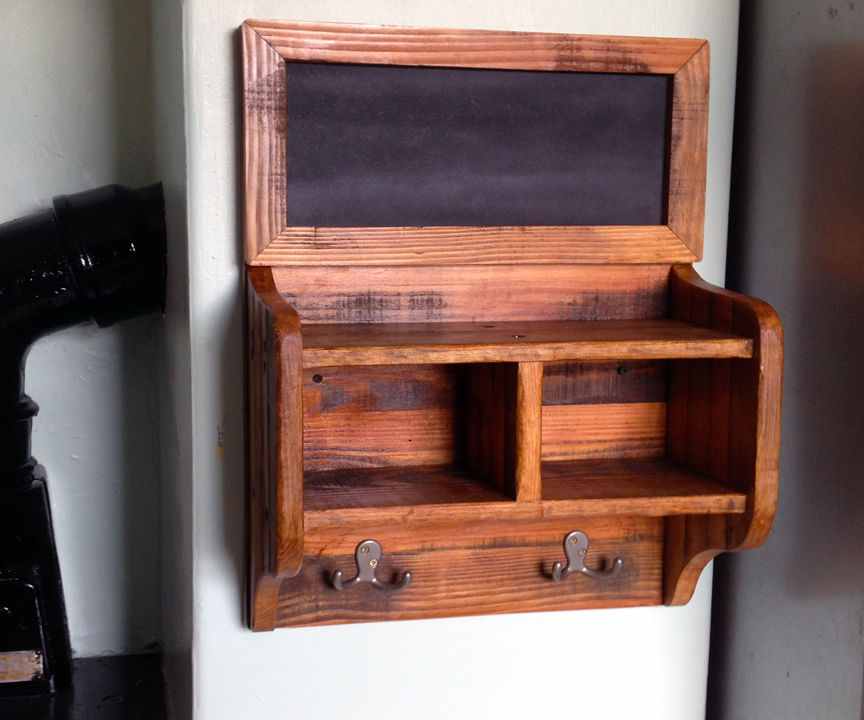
(402, 146)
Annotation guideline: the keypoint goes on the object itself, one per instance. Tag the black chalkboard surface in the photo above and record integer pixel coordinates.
(379, 146)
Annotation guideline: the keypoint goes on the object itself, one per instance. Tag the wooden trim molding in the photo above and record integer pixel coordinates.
(270, 239)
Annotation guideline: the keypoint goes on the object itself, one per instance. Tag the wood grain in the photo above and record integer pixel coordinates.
(488, 532)
(264, 174)
(474, 293)
(623, 381)
(581, 432)
(382, 416)
(502, 426)
(455, 245)
(689, 151)
(456, 580)
(276, 470)
(672, 485)
(724, 419)
(374, 439)
(384, 487)
(445, 494)
(528, 440)
(267, 44)
(490, 406)
(469, 395)
(376, 389)
(390, 343)
(389, 45)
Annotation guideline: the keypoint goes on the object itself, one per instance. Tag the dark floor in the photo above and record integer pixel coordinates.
(121, 687)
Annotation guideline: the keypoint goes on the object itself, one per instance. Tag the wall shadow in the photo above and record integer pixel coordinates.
(814, 552)
(140, 341)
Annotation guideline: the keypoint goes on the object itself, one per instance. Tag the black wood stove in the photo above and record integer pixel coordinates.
(98, 255)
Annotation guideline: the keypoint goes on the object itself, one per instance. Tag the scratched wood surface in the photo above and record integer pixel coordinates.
(346, 43)
(724, 422)
(456, 579)
(393, 343)
(454, 245)
(446, 494)
(263, 142)
(275, 434)
(270, 239)
(477, 293)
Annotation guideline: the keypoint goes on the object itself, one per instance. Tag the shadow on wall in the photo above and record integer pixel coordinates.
(130, 79)
(828, 453)
(814, 555)
(230, 435)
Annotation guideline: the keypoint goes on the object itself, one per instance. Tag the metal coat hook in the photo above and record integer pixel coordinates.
(576, 548)
(368, 557)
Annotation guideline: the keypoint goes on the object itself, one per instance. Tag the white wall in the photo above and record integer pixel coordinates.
(86, 101)
(647, 663)
(175, 368)
(75, 113)
(789, 639)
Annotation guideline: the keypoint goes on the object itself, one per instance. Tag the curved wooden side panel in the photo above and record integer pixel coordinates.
(723, 422)
(275, 443)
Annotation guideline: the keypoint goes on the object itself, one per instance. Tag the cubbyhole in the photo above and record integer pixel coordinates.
(623, 432)
(404, 435)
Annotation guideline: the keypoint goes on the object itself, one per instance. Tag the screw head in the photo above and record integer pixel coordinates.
(373, 563)
(364, 549)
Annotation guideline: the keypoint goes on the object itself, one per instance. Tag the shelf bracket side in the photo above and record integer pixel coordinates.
(275, 433)
(724, 421)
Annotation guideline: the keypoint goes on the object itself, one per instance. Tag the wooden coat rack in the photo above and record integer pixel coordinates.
(480, 337)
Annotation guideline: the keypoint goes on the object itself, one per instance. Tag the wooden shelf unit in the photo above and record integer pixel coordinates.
(468, 396)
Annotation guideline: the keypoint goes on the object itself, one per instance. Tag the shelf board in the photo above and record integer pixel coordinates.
(395, 486)
(635, 485)
(456, 342)
(435, 493)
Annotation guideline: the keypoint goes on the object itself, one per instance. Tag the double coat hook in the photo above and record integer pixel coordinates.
(576, 548)
(368, 557)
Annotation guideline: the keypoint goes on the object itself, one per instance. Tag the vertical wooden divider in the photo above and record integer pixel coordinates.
(502, 426)
(529, 402)
(489, 402)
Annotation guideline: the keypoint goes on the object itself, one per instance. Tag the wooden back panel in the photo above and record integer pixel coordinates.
(474, 293)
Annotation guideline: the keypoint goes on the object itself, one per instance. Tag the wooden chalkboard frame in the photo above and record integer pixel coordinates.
(271, 240)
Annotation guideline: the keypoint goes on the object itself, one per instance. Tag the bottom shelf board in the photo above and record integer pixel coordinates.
(396, 486)
(435, 493)
(655, 479)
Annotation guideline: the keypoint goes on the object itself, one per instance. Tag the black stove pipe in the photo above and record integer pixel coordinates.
(99, 255)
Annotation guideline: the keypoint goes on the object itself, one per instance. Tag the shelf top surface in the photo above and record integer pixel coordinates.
(408, 343)
(439, 493)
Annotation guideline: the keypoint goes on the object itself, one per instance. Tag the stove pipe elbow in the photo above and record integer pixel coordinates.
(98, 255)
